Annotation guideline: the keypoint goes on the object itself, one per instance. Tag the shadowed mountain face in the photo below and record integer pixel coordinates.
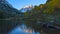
(5, 6)
(7, 10)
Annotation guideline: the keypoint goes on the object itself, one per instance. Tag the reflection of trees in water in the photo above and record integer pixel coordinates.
(48, 29)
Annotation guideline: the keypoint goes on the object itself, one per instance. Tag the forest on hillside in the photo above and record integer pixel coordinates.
(48, 13)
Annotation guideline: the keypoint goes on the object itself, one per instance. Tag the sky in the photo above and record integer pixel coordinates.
(18, 4)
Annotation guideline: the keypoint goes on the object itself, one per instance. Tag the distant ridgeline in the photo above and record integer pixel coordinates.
(26, 8)
(8, 16)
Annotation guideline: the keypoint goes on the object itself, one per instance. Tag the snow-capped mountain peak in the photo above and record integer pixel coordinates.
(30, 6)
(24, 9)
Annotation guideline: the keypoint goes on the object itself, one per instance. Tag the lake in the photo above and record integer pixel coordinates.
(23, 29)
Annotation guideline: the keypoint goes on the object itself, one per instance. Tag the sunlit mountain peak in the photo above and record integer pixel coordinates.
(29, 6)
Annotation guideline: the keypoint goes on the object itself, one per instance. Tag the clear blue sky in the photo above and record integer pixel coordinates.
(18, 4)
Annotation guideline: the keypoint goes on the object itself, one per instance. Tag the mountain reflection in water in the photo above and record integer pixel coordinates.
(23, 29)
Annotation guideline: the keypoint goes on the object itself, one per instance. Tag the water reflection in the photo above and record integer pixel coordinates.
(23, 29)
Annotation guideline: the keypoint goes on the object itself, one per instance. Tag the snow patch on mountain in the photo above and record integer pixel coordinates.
(25, 8)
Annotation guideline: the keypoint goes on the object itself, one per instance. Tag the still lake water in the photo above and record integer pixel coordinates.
(23, 29)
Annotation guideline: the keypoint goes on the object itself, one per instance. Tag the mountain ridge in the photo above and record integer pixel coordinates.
(26, 8)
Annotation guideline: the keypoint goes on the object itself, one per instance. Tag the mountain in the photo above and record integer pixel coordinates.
(26, 8)
(7, 10)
